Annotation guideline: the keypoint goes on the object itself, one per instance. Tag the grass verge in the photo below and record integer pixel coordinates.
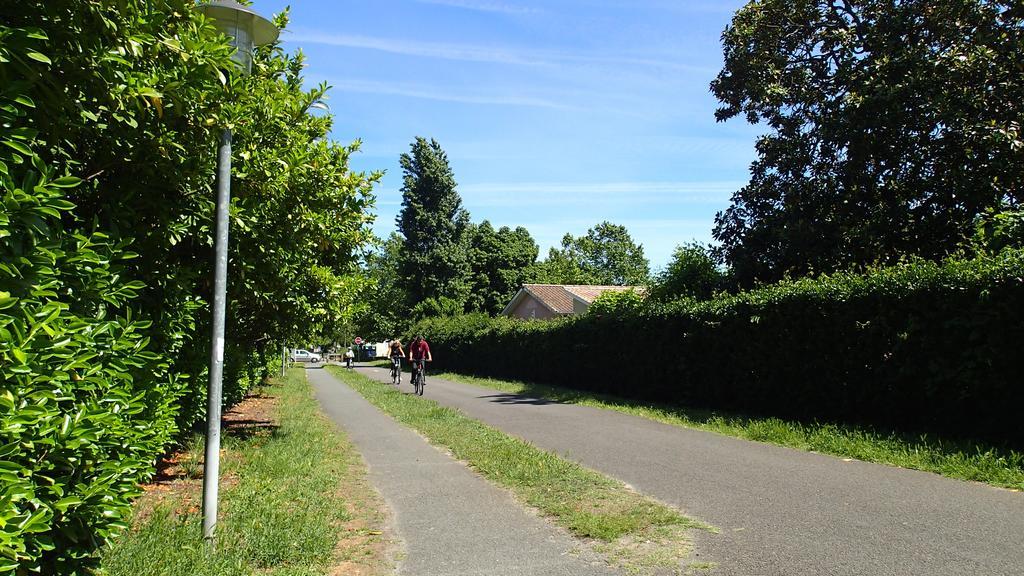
(962, 460)
(294, 501)
(631, 530)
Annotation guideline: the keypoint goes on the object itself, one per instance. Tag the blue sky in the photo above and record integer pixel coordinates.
(555, 115)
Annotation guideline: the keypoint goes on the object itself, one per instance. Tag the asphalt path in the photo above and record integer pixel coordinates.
(780, 511)
(451, 521)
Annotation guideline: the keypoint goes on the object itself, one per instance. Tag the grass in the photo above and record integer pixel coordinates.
(294, 502)
(962, 460)
(633, 531)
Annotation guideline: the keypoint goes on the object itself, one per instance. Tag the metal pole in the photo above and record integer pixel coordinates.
(211, 469)
(284, 358)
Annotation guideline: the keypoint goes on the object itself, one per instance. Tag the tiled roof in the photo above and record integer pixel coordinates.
(559, 297)
(553, 296)
(590, 293)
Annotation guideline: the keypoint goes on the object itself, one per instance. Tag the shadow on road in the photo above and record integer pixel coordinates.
(516, 399)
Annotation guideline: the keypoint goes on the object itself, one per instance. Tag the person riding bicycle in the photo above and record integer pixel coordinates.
(396, 353)
(419, 352)
(396, 348)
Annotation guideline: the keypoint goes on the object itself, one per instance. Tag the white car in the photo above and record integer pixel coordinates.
(305, 356)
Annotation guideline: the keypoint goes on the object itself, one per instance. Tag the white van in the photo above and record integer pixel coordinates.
(305, 356)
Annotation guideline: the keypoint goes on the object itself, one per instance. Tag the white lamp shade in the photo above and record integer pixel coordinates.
(246, 28)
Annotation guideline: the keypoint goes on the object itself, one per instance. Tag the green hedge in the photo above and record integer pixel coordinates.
(921, 347)
(110, 114)
(78, 428)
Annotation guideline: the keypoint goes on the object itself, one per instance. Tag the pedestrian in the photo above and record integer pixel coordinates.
(349, 356)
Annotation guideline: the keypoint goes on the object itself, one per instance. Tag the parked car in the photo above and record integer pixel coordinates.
(305, 356)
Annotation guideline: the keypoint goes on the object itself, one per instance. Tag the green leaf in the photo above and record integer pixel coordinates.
(62, 204)
(38, 522)
(38, 57)
(18, 146)
(66, 182)
(19, 355)
(65, 503)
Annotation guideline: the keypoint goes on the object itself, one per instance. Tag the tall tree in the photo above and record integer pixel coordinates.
(607, 254)
(892, 126)
(433, 263)
(501, 261)
(384, 314)
(561, 267)
(692, 272)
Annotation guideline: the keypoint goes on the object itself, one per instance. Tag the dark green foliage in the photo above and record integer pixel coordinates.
(607, 255)
(434, 261)
(916, 347)
(616, 303)
(999, 229)
(109, 120)
(692, 272)
(384, 313)
(83, 406)
(78, 426)
(560, 268)
(500, 261)
(435, 307)
(445, 265)
(891, 127)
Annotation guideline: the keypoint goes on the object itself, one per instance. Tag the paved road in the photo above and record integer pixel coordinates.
(451, 521)
(780, 511)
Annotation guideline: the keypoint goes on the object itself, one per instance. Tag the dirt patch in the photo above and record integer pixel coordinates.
(254, 416)
(655, 551)
(179, 475)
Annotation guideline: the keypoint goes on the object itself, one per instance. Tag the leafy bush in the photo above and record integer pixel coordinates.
(109, 119)
(998, 229)
(628, 301)
(78, 429)
(692, 272)
(917, 347)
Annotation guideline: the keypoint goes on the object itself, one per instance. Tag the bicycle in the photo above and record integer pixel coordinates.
(396, 370)
(419, 376)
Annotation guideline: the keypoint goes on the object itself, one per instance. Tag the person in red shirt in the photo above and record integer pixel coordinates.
(419, 352)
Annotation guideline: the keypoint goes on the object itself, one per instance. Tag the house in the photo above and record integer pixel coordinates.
(543, 301)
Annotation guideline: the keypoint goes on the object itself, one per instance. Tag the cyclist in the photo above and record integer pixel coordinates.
(419, 352)
(396, 353)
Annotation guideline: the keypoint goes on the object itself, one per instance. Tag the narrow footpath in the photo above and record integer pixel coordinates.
(781, 511)
(451, 521)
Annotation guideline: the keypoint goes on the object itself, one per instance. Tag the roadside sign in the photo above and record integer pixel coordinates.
(358, 340)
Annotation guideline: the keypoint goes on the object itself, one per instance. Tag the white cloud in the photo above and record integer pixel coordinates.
(658, 236)
(431, 93)
(442, 50)
(658, 215)
(553, 194)
(486, 53)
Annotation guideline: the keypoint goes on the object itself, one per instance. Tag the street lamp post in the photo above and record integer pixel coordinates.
(246, 29)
